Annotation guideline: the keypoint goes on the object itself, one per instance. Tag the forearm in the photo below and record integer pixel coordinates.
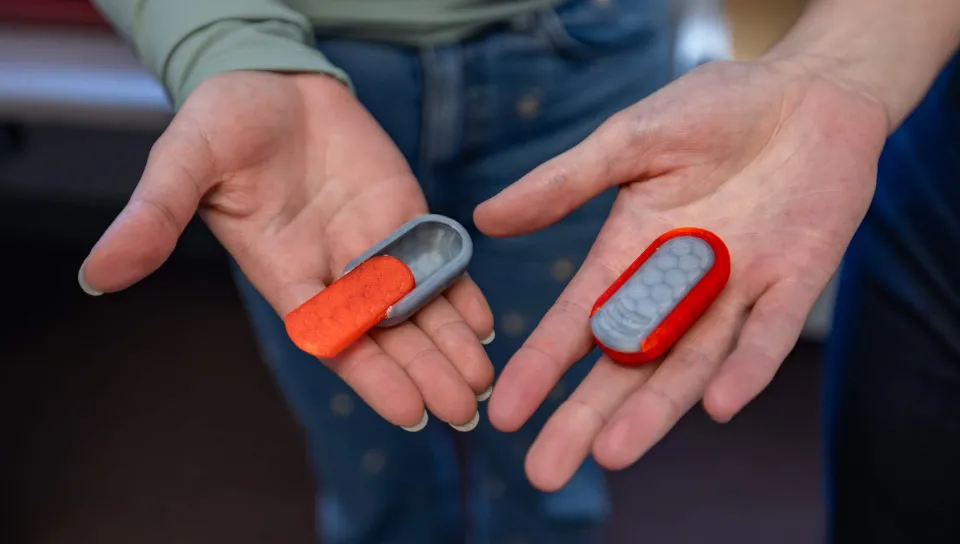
(184, 42)
(891, 50)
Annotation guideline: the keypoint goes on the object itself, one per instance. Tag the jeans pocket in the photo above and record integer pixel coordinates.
(592, 29)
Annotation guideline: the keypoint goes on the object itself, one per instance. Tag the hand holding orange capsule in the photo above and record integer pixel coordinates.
(384, 286)
(380, 292)
(290, 234)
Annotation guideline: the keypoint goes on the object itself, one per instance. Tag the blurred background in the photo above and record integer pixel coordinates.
(147, 416)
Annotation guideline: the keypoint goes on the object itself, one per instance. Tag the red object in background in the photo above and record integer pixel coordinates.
(71, 12)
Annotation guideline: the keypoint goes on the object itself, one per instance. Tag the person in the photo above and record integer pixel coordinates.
(778, 156)
(304, 135)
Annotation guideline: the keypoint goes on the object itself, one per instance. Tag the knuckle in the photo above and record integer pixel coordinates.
(422, 357)
(690, 356)
(585, 410)
(188, 152)
(557, 178)
(478, 377)
(670, 406)
(569, 309)
(532, 351)
(161, 214)
(624, 127)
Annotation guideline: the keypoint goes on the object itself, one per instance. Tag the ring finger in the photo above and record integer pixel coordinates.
(566, 439)
(458, 342)
(444, 390)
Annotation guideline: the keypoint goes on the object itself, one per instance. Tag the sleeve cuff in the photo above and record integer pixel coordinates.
(228, 46)
(184, 42)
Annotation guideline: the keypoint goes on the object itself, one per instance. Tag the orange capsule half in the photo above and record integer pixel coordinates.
(339, 315)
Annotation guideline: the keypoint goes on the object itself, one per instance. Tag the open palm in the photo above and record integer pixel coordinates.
(295, 179)
(780, 165)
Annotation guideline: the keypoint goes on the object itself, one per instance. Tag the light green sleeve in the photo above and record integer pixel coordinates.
(184, 42)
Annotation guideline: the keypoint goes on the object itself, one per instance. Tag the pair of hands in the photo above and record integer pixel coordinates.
(295, 178)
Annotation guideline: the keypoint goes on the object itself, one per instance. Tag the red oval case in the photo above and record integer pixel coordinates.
(660, 295)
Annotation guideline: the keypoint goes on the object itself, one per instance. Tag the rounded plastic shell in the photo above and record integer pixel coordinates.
(383, 286)
(660, 295)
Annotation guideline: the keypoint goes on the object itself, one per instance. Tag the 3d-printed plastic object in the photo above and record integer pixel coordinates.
(653, 303)
(384, 286)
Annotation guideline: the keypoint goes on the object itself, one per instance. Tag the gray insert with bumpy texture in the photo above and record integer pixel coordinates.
(651, 293)
(436, 248)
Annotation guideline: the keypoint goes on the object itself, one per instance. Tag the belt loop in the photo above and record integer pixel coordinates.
(442, 111)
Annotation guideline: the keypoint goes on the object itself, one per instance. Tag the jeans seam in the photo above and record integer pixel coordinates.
(442, 113)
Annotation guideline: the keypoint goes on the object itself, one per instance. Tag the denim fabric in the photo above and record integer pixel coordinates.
(893, 366)
(471, 118)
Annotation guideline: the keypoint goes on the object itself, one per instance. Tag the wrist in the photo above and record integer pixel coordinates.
(319, 87)
(842, 73)
(862, 45)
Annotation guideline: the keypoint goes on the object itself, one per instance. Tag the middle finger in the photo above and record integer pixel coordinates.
(676, 386)
(458, 342)
(444, 391)
(562, 338)
(566, 439)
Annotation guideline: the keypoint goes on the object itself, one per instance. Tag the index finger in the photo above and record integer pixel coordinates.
(561, 339)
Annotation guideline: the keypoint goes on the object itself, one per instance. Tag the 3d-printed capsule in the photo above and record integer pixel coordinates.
(383, 286)
(653, 303)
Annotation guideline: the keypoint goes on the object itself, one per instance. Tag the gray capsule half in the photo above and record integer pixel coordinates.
(651, 293)
(436, 248)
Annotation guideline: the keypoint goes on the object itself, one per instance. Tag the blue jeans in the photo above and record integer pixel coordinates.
(471, 118)
(893, 366)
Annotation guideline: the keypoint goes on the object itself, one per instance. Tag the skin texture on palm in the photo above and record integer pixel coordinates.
(295, 179)
(781, 167)
(778, 157)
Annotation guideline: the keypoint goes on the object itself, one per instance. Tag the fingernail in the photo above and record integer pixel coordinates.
(419, 426)
(83, 282)
(470, 425)
(485, 395)
(487, 340)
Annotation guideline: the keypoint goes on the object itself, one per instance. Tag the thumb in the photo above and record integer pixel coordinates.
(179, 171)
(611, 156)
